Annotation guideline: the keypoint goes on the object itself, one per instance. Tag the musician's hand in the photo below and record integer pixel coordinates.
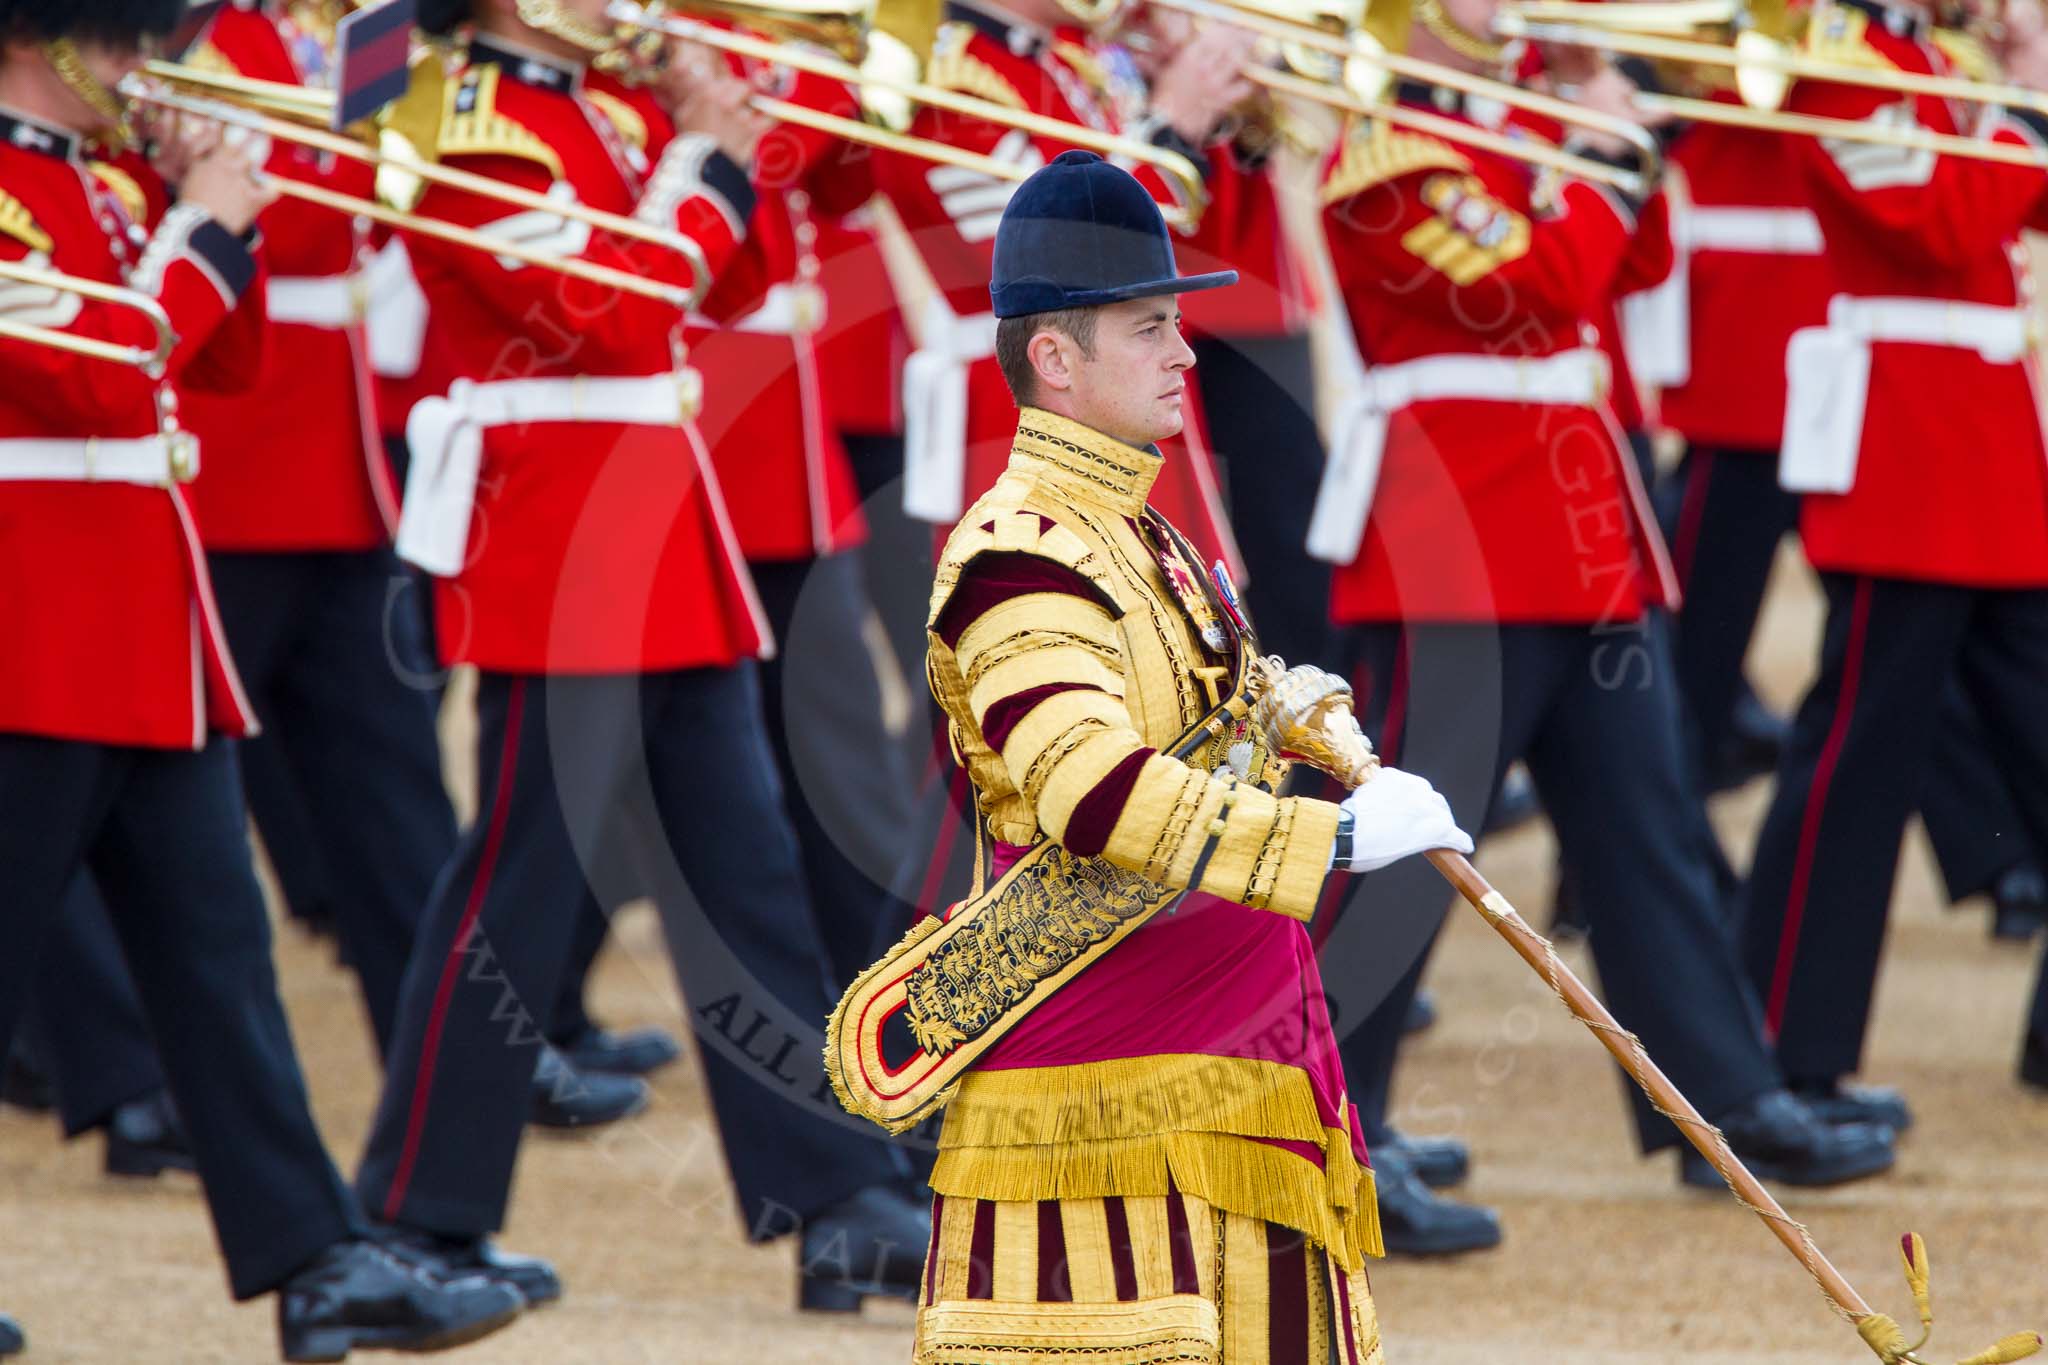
(1607, 91)
(228, 183)
(703, 96)
(1204, 80)
(1397, 814)
(177, 141)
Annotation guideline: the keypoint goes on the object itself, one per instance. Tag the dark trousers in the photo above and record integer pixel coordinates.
(1724, 516)
(349, 800)
(681, 763)
(1821, 882)
(1258, 394)
(163, 833)
(84, 1018)
(1595, 715)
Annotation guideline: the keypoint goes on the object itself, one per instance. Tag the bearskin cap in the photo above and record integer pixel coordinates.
(109, 21)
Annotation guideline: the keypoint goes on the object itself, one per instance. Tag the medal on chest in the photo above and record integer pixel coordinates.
(1185, 583)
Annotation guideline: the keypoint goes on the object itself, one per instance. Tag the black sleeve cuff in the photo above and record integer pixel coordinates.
(1629, 206)
(2035, 122)
(229, 257)
(1163, 136)
(728, 179)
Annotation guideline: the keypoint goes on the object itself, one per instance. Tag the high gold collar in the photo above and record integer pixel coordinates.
(1085, 462)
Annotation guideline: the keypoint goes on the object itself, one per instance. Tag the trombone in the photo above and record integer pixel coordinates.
(1763, 65)
(151, 361)
(1194, 195)
(407, 162)
(1357, 91)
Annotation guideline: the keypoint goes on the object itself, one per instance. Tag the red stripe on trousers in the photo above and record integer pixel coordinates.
(1816, 804)
(423, 1084)
(1686, 541)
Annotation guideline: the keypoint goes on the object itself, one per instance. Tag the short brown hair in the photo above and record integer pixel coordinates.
(1013, 345)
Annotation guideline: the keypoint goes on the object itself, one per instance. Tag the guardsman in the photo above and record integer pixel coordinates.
(296, 506)
(589, 571)
(1257, 375)
(1162, 1153)
(1926, 364)
(1037, 56)
(1498, 561)
(113, 752)
(797, 513)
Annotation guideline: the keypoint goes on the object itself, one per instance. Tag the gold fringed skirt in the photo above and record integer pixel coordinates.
(1133, 1281)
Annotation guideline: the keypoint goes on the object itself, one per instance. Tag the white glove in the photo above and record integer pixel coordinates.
(1397, 814)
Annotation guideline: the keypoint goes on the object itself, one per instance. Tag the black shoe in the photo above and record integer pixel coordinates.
(359, 1294)
(1837, 1102)
(564, 1097)
(24, 1085)
(1439, 1163)
(454, 1257)
(1782, 1140)
(871, 1245)
(1567, 915)
(2019, 902)
(640, 1052)
(1415, 1222)
(1421, 1014)
(1756, 736)
(12, 1342)
(2034, 1061)
(145, 1138)
(1517, 803)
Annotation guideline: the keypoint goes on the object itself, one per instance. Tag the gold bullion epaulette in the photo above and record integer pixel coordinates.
(1967, 53)
(954, 67)
(17, 222)
(123, 187)
(1086, 64)
(209, 58)
(1840, 34)
(621, 115)
(473, 125)
(1375, 152)
(999, 523)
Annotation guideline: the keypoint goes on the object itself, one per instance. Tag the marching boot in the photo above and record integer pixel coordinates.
(2019, 902)
(1421, 1016)
(1837, 1102)
(12, 1342)
(1756, 736)
(1516, 804)
(24, 1084)
(358, 1294)
(1415, 1222)
(638, 1052)
(2034, 1062)
(1782, 1140)
(565, 1097)
(449, 1258)
(871, 1245)
(1439, 1163)
(145, 1138)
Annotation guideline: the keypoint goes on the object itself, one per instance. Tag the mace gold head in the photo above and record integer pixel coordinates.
(1305, 714)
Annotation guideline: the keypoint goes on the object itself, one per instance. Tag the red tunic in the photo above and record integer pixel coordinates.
(951, 216)
(1486, 510)
(1950, 484)
(107, 615)
(295, 464)
(767, 415)
(595, 546)
(1753, 272)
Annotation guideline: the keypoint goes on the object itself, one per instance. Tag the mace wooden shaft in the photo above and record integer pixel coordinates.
(1582, 1002)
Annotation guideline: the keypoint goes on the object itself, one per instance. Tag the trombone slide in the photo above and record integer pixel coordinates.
(151, 362)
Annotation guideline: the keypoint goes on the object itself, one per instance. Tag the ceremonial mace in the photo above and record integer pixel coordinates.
(1305, 713)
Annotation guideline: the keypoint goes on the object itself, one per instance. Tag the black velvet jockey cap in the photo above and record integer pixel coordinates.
(1080, 233)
